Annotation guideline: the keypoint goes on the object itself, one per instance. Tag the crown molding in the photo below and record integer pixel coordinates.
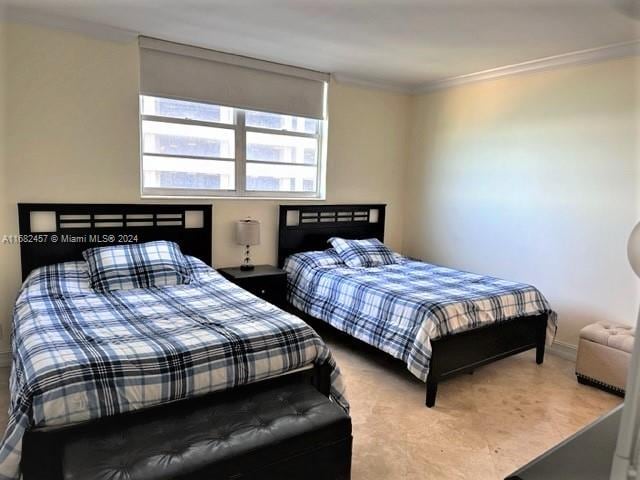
(591, 55)
(15, 14)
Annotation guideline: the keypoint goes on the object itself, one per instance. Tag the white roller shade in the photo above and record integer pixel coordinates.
(180, 71)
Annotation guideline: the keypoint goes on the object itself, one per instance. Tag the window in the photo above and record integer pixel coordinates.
(191, 148)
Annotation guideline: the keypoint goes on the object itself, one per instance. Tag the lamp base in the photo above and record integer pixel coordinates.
(246, 265)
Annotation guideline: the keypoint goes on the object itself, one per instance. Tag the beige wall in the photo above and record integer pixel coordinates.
(365, 163)
(6, 253)
(533, 178)
(74, 137)
(559, 145)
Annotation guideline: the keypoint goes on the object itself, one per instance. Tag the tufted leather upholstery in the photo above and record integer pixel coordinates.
(276, 428)
(290, 432)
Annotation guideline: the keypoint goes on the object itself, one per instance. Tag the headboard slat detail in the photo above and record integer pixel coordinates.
(79, 226)
(315, 224)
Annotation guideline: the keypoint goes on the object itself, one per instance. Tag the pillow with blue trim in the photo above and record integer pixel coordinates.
(363, 253)
(139, 265)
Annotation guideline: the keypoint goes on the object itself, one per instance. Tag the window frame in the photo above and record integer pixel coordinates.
(241, 130)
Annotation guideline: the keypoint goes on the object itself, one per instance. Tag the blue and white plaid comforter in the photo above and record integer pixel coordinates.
(400, 308)
(80, 355)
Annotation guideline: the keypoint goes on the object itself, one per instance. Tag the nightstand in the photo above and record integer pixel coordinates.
(265, 281)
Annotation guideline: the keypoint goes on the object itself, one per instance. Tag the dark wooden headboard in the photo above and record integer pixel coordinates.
(304, 228)
(59, 232)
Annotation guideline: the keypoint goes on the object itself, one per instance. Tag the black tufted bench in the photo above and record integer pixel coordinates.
(286, 432)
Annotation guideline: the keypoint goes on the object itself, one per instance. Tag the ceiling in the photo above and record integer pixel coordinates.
(402, 44)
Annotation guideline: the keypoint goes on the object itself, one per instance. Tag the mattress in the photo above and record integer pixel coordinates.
(401, 307)
(80, 355)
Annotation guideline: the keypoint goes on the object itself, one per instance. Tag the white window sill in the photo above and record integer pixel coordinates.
(228, 197)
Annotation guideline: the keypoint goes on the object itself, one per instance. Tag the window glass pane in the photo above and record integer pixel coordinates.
(179, 154)
(188, 173)
(281, 178)
(281, 122)
(267, 147)
(166, 107)
(178, 139)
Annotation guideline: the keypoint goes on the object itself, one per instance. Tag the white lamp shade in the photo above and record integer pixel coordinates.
(248, 232)
(633, 249)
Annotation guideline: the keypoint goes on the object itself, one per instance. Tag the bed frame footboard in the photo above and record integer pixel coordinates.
(308, 227)
(465, 351)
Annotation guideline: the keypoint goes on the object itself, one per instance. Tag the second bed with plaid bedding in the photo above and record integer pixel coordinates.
(80, 355)
(399, 308)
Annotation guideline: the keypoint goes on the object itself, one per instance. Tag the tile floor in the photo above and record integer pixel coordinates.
(484, 426)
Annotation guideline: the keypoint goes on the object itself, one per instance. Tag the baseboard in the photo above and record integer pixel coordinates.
(563, 350)
(5, 359)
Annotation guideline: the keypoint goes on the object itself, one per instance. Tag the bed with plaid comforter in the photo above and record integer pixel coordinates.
(79, 355)
(399, 308)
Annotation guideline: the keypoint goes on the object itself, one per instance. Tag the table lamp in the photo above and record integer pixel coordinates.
(247, 234)
(626, 460)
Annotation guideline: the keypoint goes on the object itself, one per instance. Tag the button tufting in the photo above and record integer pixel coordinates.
(212, 433)
(617, 337)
